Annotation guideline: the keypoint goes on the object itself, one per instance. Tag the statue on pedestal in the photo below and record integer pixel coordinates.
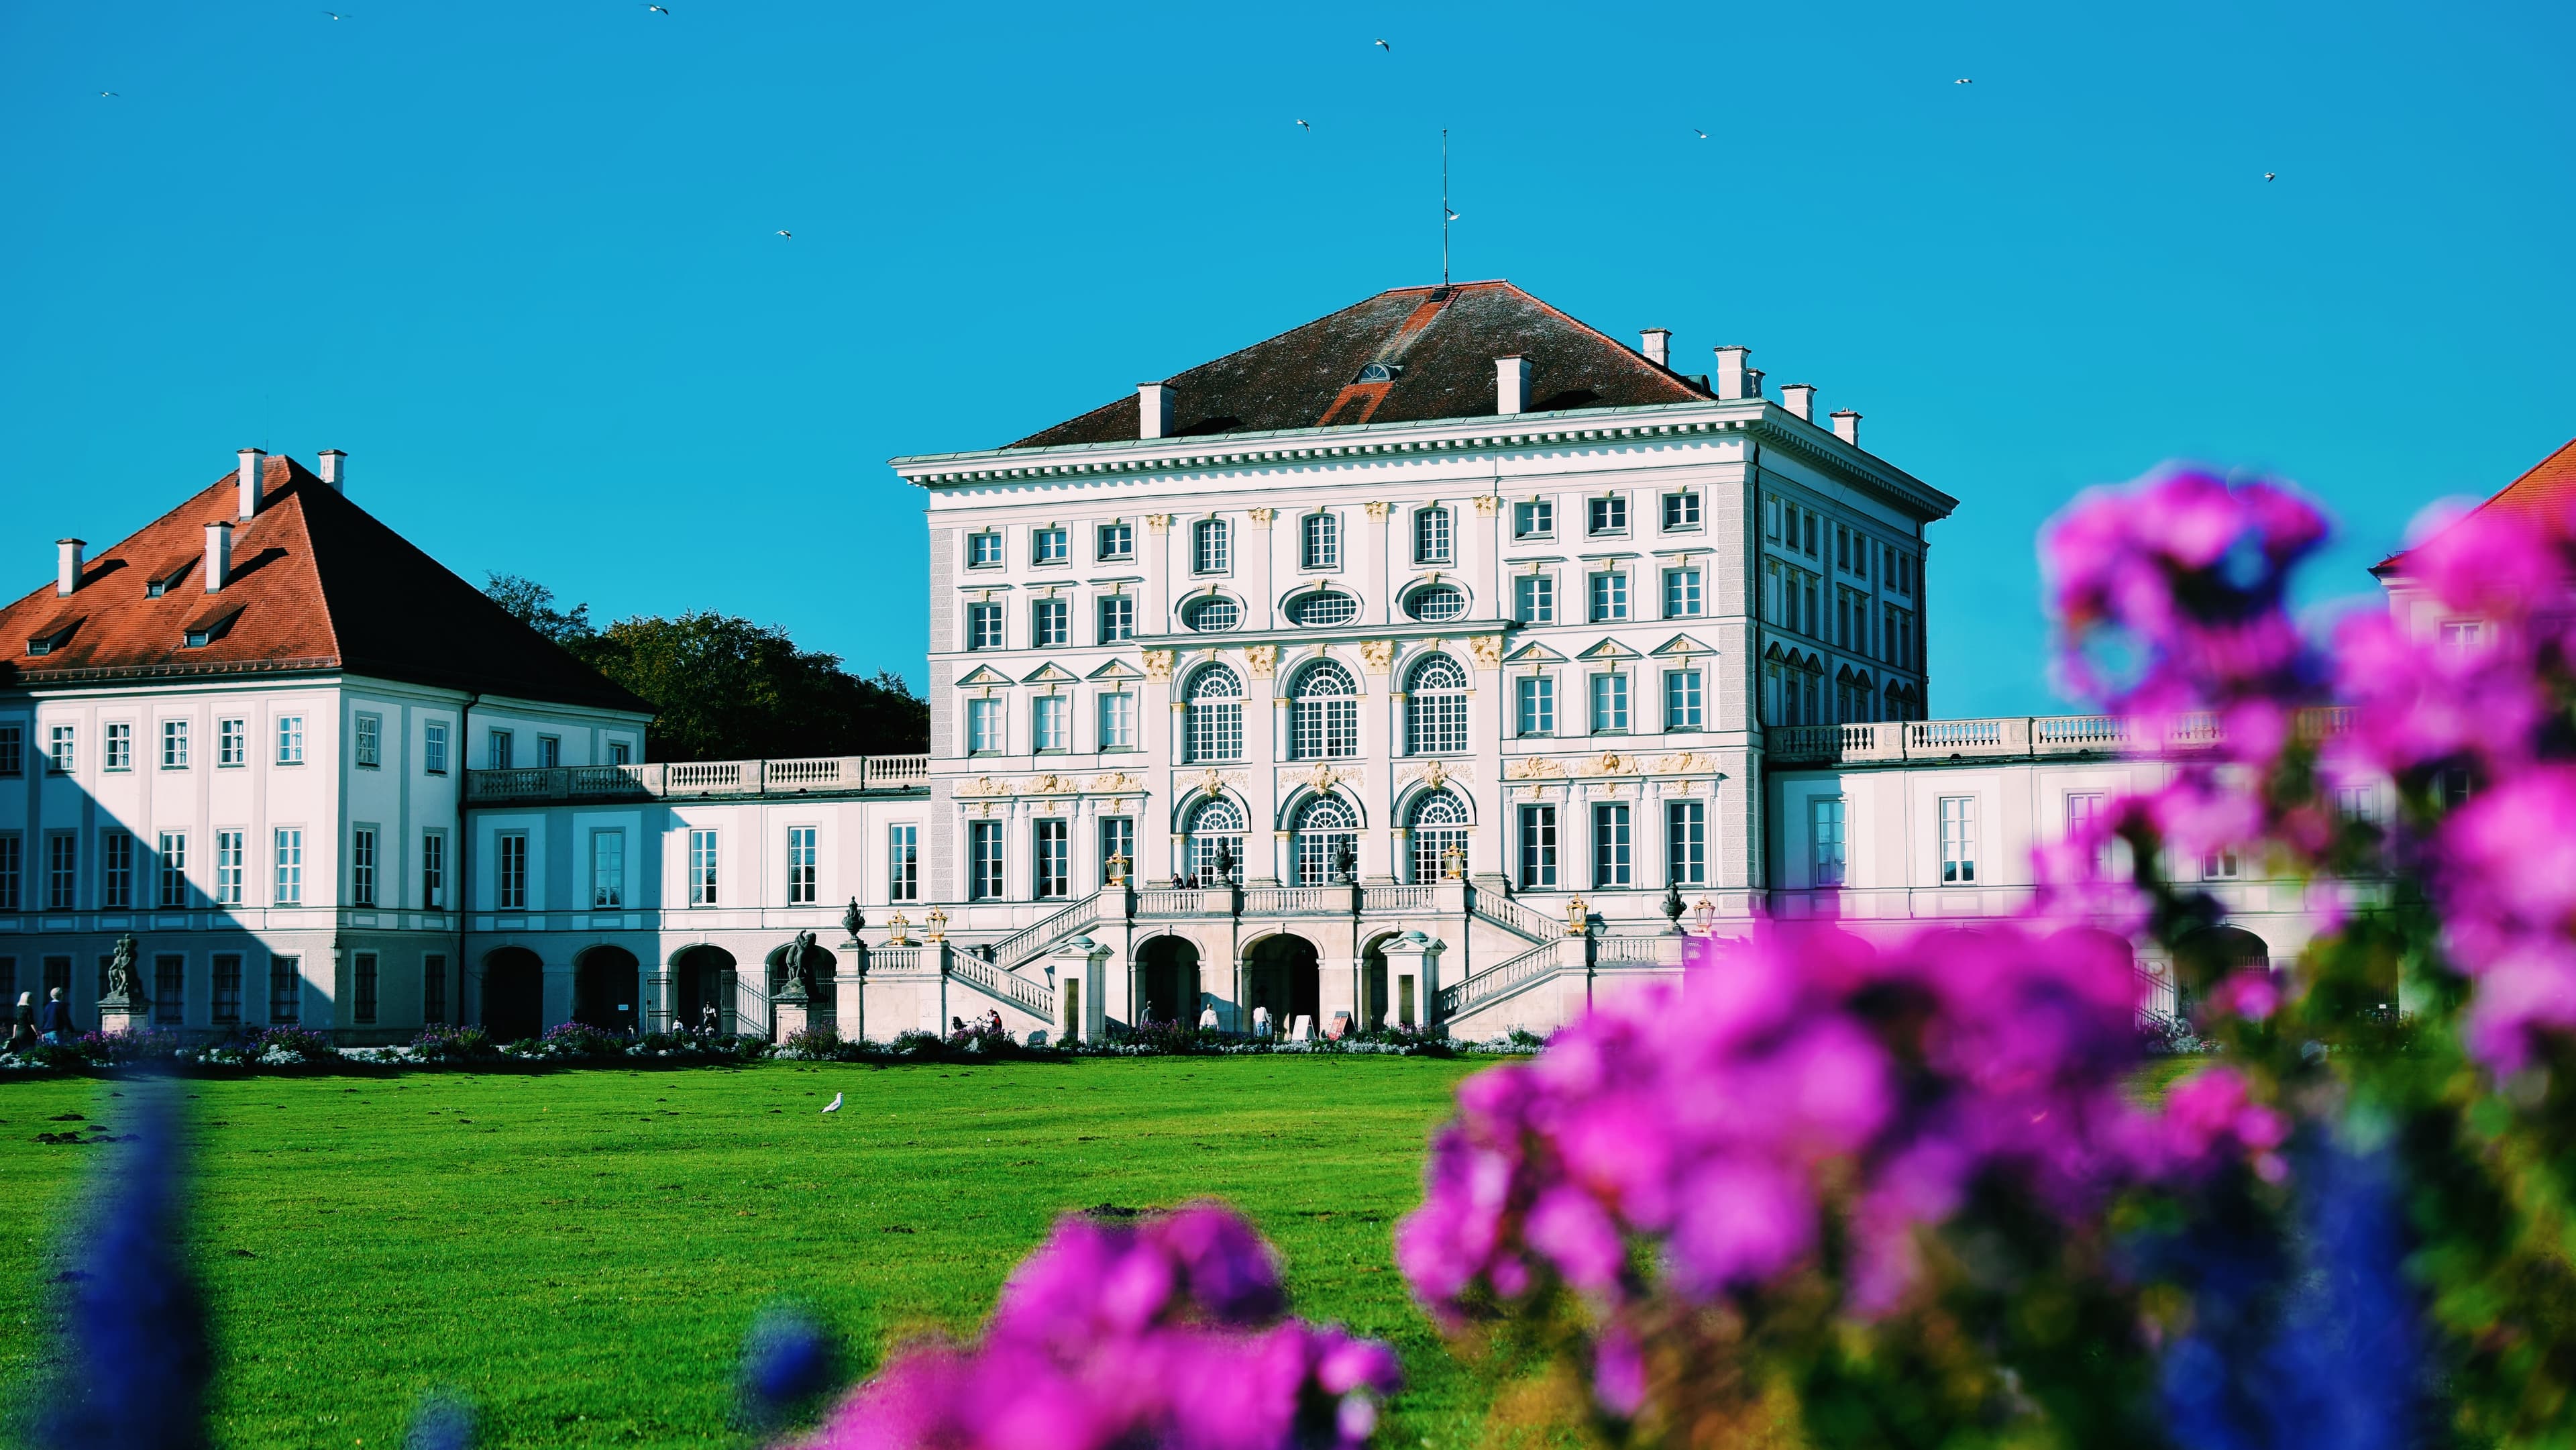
(126, 1006)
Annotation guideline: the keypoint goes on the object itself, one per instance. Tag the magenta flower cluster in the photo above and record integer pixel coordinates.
(1167, 1332)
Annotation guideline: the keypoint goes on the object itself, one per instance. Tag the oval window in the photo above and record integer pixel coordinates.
(1440, 601)
(1324, 609)
(1210, 615)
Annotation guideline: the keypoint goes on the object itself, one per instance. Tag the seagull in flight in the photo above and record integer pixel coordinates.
(785, 233)
(659, 9)
(1703, 135)
(1382, 45)
(1302, 123)
(2267, 175)
(334, 14)
(109, 95)
(834, 1105)
(1965, 81)
(1449, 215)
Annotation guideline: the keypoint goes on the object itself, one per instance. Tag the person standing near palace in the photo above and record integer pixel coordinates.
(22, 1025)
(55, 1022)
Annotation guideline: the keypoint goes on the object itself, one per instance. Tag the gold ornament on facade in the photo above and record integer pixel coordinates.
(1159, 523)
(1574, 918)
(1536, 767)
(1377, 656)
(935, 925)
(1158, 664)
(1487, 505)
(899, 930)
(1263, 658)
(1487, 649)
(1261, 517)
(1378, 511)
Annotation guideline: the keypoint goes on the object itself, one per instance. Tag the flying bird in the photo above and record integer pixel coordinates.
(1448, 215)
(1302, 122)
(785, 233)
(334, 14)
(1703, 135)
(1382, 45)
(659, 9)
(834, 1105)
(2267, 175)
(109, 94)
(1965, 81)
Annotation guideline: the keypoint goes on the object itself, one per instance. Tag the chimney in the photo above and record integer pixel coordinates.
(1753, 382)
(1799, 398)
(254, 478)
(1730, 372)
(1847, 427)
(1153, 410)
(334, 466)
(1511, 385)
(67, 564)
(1659, 346)
(219, 555)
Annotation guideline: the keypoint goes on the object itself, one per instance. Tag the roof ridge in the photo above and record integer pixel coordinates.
(291, 490)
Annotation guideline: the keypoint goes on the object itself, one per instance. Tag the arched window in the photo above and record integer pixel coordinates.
(1210, 615)
(1324, 721)
(1439, 838)
(1212, 725)
(1895, 704)
(1323, 608)
(1326, 826)
(1815, 691)
(1215, 842)
(1435, 708)
(1435, 602)
(1771, 693)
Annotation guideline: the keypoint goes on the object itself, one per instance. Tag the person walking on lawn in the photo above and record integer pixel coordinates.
(22, 1026)
(55, 1022)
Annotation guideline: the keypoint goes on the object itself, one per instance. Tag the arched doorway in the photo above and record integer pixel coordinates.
(702, 990)
(514, 994)
(821, 1004)
(607, 989)
(1373, 997)
(1282, 973)
(2209, 957)
(1168, 971)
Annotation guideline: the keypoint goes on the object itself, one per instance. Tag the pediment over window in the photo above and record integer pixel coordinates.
(1049, 673)
(1534, 653)
(1608, 649)
(1682, 644)
(1117, 670)
(983, 675)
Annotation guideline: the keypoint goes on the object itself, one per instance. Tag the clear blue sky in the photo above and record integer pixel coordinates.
(521, 259)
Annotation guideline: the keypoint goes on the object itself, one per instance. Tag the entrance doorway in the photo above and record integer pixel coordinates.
(702, 979)
(1282, 973)
(514, 994)
(606, 989)
(1167, 969)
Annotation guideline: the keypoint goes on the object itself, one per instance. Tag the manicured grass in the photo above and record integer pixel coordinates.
(579, 1254)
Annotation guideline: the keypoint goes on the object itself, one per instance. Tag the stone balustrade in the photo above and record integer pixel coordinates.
(2011, 737)
(813, 775)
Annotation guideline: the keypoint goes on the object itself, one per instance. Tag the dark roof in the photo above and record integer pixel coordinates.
(317, 584)
(2546, 493)
(1441, 343)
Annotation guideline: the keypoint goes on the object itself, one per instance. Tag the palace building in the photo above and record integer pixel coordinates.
(1443, 662)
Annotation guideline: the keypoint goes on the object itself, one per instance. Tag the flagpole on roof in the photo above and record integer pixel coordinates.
(1445, 213)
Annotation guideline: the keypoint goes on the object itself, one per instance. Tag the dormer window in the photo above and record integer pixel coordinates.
(1377, 372)
(51, 640)
(172, 579)
(203, 632)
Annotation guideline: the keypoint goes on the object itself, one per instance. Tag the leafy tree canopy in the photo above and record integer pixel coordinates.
(724, 688)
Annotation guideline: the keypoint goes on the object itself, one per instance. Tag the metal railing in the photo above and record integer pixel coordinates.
(2011, 737)
(700, 778)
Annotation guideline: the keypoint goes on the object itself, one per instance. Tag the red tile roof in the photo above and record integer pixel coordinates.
(1440, 343)
(2547, 491)
(317, 584)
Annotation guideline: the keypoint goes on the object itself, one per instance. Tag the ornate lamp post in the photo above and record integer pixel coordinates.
(1575, 923)
(898, 930)
(1706, 914)
(935, 926)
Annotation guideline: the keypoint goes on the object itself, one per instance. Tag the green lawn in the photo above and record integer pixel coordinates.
(579, 1254)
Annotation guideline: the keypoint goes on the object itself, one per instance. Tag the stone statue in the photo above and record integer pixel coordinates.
(123, 985)
(798, 959)
(1224, 864)
(852, 921)
(1346, 861)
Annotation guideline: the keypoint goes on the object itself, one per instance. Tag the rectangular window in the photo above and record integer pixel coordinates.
(119, 754)
(1050, 623)
(231, 850)
(174, 745)
(232, 743)
(1958, 840)
(1807, 586)
(1534, 520)
(290, 867)
(984, 860)
(1117, 849)
(1860, 556)
(983, 626)
(1050, 546)
(1609, 597)
(224, 1002)
(433, 748)
(1825, 841)
(1609, 704)
(1534, 598)
(1681, 594)
(116, 870)
(285, 989)
(1051, 726)
(2220, 865)
(1118, 721)
(1610, 515)
(1842, 547)
(369, 748)
(1117, 618)
(801, 880)
(13, 869)
(510, 872)
(13, 750)
(607, 870)
(1117, 541)
(64, 752)
(1771, 518)
(362, 866)
(290, 740)
(1610, 845)
(2357, 803)
(983, 727)
(1686, 843)
(1535, 698)
(1538, 848)
(984, 550)
(169, 991)
(1682, 700)
(172, 860)
(1681, 511)
(362, 973)
(702, 868)
(433, 869)
(62, 871)
(1053, 863)
(498, 746)
(1811, 550)
(433, 988)
(1431, 536)
(903, 863)
(1321, 541)
(620, 753)
(2083, 814)
(549, 751)
(1211, 547)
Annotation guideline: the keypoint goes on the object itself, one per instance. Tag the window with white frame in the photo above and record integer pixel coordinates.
(984, 726)
(1431, 536)
(172, 860)
(498, 748)
(433, 987)
(62, 871)
(285, 989)
(433, 748)
(1211, 547)
(802, 880)
(290, 866)
(224, 997)
(1051, 859)
(1050, 623)
(984, 626)
(1825, 840)
(1439, 838)
(1435, 707)
(1051, 724)
(1324, 713)
(13, 750)
(1686, 843)
(1117, 850)
(903, 862)
(1534, 705)
(362, 866)
(2083, 818)
(1681, 594)
(362, 979)
(174, 745)
(290, 740)
(1116, 540)
(2463, 636)
(230, 866)
(1538, 848)
(1050, 546)
(1326, 827)
(1320, 542)
(1682, 700)
(116, 870)
(984, 549)
(433, 870)
(62, 751)
(2358, 803)
(1214, 841)
(1117, 618)
(1610, 863)
(119, 751)
(1212, 719)
(702, 868)
(367, 744)
(510, 871)
(620, 753)
(984, 861)
(1681, 511)
(549, 751)
(1610, 704)
(1609, 597)
(1117, 721)
(1958, 840)
(2223, 864)
(607, 870)
(1534, 598)
(1609, 514)
(1535, 519)
(169, 990)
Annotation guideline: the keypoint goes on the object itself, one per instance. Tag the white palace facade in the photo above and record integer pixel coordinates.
(1440, 663)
